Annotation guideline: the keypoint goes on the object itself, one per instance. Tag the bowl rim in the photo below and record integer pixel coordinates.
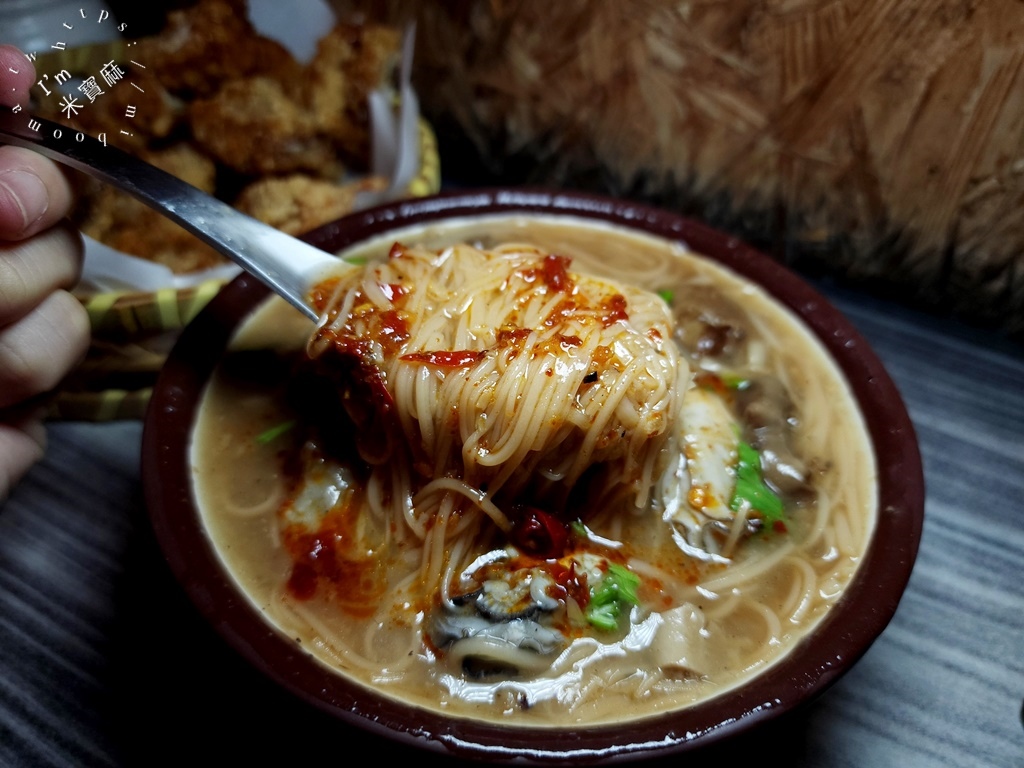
(845, 634)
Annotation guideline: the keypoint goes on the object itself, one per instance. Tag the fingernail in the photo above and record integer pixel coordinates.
(28, 193)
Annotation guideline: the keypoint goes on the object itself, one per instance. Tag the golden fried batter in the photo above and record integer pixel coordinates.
(350, 62)
(187, 163)
(219, 105)
(125, 224)
(296, 204)
(252, 127)
(212, 42)
(154, 113)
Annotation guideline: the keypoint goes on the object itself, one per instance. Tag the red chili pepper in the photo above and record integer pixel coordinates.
(614, 309)
(541, 534)
(574, 584)
(322, 293)
(509, 336)
(392, 330)
(351, 366)
(555, 274)
(712, 381)
(393, 291)
(374, 380)
(459, 359)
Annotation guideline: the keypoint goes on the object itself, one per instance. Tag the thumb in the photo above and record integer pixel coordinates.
(16, 76)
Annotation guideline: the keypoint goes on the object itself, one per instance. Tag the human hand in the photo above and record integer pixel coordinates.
(44, 330)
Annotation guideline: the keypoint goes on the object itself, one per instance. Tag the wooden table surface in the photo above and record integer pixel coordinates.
(103, 662)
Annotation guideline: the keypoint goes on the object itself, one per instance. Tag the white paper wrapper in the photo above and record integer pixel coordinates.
(109, 271)
(394, 126)
(395, 138)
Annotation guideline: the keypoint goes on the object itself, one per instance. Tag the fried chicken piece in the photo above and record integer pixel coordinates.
(219, 105)
(140, 105)
(99, 208)
(350, 62)
(133, 113)
(253, 127)
(296, 204)
(187, 163)
(127, 225)
(212, 42)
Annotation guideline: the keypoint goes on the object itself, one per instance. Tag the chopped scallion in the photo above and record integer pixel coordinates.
(274, 432)
(615, 592)
(734, 380)
(751, 488)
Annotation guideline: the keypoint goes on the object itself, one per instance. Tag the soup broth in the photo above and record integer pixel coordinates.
(662, 605)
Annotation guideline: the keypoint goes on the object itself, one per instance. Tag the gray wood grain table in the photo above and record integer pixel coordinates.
(104, 662)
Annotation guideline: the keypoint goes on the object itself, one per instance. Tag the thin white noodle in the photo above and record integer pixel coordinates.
(263, 507)
(749, 569)
(479, 498)
(504, 449)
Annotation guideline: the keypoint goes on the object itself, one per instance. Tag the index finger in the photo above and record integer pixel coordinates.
(16, 76)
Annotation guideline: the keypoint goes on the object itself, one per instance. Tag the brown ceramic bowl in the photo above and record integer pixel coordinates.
(847, 631)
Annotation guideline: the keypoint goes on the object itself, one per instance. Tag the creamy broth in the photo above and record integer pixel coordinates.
(719, 610)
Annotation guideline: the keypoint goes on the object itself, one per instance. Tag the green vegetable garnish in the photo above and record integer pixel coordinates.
(751, 488)
(667, 295)
(604, 617)
(274, 432)
(734, 380)
(611, 596)
(358, 261)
